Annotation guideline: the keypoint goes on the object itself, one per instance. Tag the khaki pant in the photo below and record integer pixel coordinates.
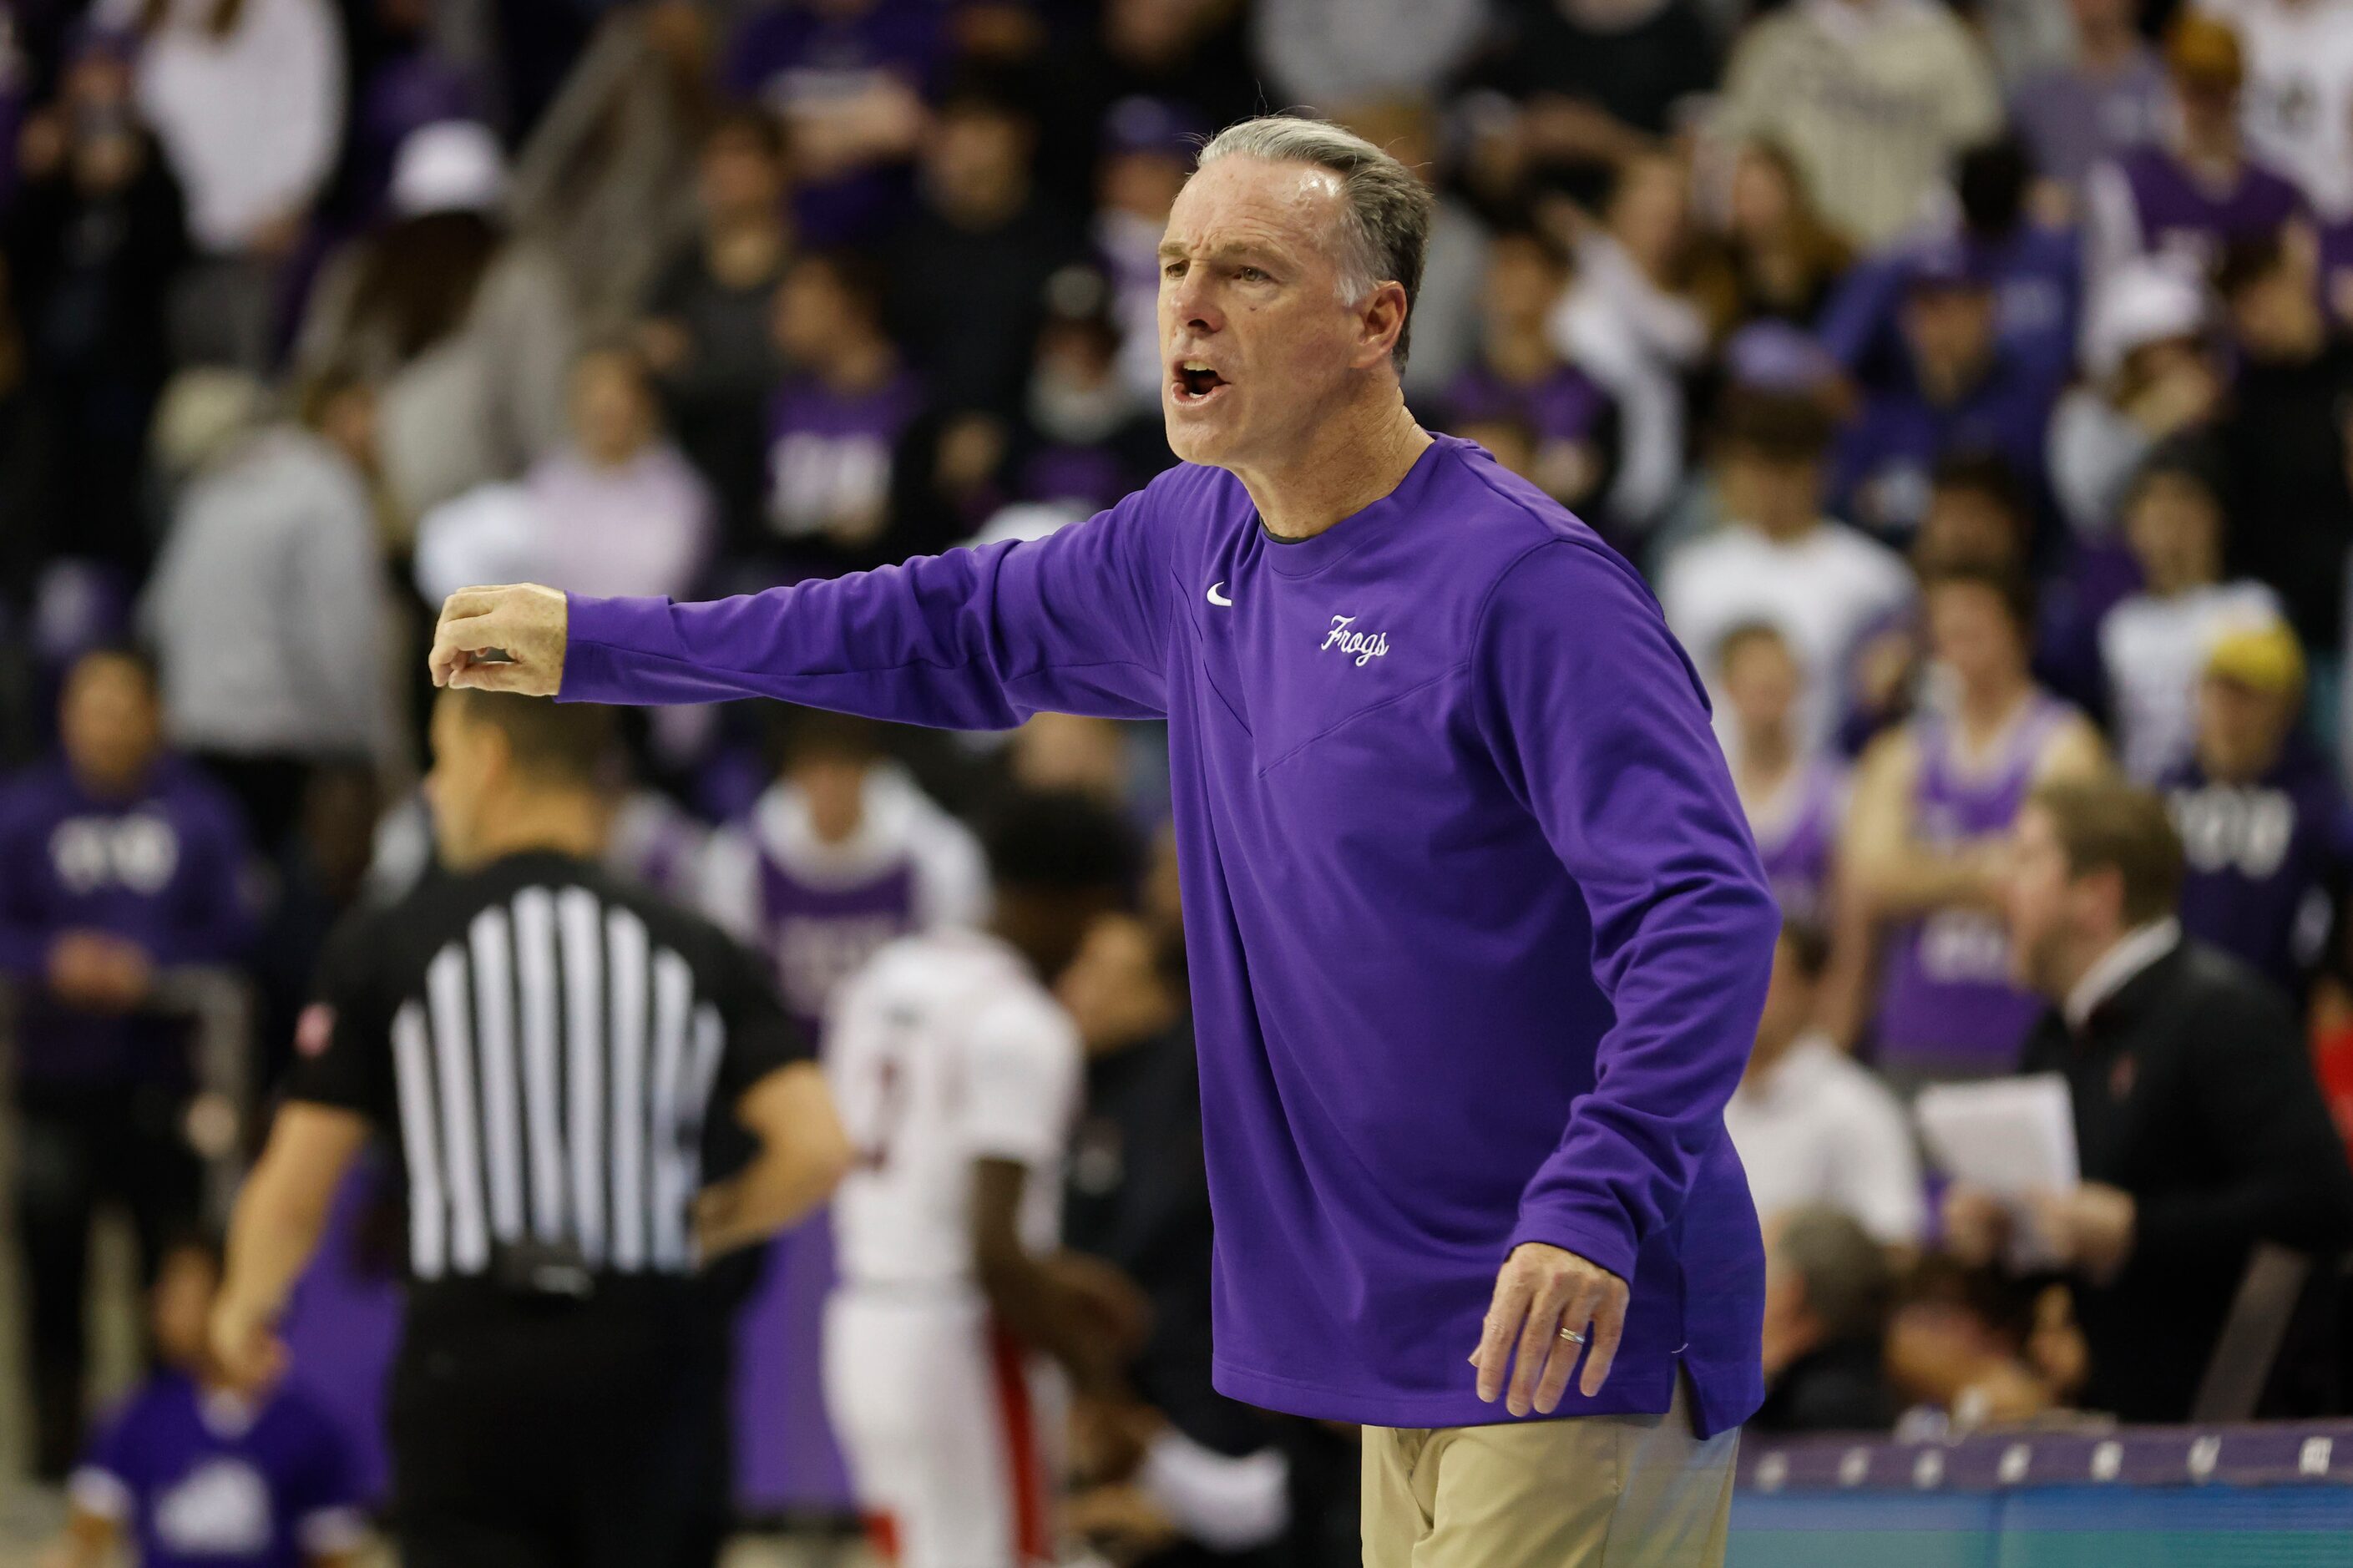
(1592, 1491)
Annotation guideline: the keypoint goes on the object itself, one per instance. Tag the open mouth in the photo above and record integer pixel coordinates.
(1197, 382)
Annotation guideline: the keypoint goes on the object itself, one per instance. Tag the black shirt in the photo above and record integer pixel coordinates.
(1838, 1388)
(2193, 1092)
(968, 302)
(2291, 515)
(546, 1045)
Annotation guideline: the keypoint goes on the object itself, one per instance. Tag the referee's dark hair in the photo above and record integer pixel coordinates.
(560, 743)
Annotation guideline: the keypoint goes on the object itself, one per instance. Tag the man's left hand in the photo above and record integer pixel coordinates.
(1542, 1291)
(2091, 1228)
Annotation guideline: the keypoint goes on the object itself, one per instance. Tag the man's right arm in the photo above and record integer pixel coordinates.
(974, 640)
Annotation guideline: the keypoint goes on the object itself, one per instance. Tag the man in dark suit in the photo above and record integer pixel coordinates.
(2198, 1122)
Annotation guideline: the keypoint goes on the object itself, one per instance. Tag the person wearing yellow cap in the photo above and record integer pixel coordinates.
(2265, 826)
(2190, 195)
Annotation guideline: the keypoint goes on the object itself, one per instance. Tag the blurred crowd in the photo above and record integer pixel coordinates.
(1972, 381)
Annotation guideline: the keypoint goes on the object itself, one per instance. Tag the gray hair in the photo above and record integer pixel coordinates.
(1386, 229)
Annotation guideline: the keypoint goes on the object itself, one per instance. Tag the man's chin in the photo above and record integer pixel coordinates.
(1197, 440)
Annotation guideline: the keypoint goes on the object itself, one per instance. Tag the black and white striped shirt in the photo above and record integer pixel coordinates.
(546, 1045)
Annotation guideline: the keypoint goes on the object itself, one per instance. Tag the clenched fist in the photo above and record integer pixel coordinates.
(507, 638)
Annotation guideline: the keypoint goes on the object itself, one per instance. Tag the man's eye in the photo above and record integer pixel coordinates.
(1251, 275)
(1172, 269)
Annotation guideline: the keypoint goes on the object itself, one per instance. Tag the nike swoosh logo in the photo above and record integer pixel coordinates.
(1217, 598)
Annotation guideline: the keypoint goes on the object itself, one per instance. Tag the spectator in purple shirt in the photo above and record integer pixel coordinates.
(2197, 190)
(2035, 271)
(1470, 1007)
(2266, 834)
(118, 863)
(1966, 394)
(835, 423)
(2102, 103)
(1520, 378)
(850, 79)
(195, 1473)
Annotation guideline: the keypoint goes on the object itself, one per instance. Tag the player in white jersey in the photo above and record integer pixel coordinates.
(958, 1077)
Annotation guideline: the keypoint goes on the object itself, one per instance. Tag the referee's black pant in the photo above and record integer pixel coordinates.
(539, 1433)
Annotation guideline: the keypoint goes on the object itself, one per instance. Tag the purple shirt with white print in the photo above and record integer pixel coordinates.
(1477, 933)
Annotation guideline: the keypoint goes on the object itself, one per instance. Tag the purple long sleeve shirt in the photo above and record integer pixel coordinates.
(1477, 934)
(163, 867)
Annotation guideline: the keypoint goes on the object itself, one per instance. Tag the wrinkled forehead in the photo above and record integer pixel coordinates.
(1241, 202)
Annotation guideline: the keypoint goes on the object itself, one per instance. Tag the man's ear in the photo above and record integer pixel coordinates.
(1381, 319)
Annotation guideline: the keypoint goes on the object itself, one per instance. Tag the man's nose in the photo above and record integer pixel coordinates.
(1191, 306)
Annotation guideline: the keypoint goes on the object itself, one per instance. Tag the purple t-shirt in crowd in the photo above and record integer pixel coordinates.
(1477, 933)
(1949, 1006)
(163, 867)
(1886, 459)
(2179, 214)
(2072, 120)
(2037, 277)
(796, 59)
(1563, 404)
(201, 1480)
(829, 452)
(1797, 832)
(2263, 861)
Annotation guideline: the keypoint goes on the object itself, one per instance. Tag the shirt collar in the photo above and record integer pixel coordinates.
(2120, 966)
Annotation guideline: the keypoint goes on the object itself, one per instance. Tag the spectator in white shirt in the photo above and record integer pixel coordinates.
(1630, 320)
(615, 511)
(1814, 1126)
(2151, 374)
(247, 97)
(626, 513)
(266, 607)
(1778, 561)
(2297, 105)
(2153, 645)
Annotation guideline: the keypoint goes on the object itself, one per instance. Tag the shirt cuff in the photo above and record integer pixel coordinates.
(1597, 1240)
(593, 628)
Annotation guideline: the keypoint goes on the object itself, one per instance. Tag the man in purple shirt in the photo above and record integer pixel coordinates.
(119, 861)
(1478, 937)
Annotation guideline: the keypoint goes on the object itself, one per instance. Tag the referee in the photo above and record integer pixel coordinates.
(563, 1063)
